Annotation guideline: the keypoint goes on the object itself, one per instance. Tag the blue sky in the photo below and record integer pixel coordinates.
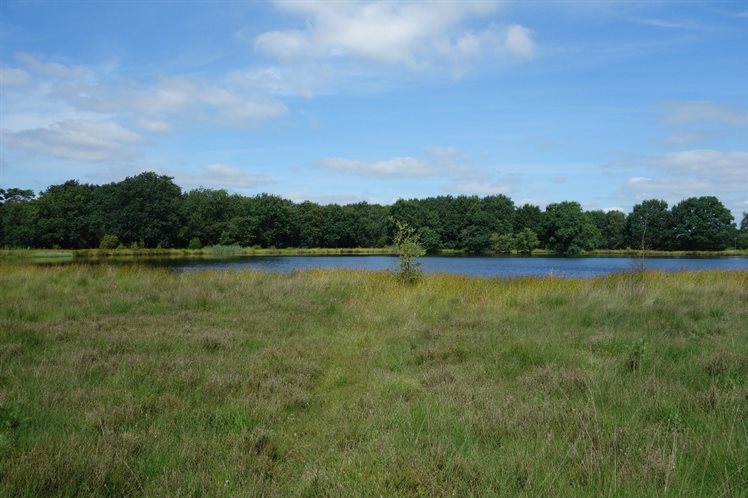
(604, 102)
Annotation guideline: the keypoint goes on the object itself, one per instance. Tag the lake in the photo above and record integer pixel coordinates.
(483, 266)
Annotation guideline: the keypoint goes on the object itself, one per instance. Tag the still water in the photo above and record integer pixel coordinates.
(473, 266)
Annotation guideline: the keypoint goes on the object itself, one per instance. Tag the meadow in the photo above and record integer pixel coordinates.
(128, 380)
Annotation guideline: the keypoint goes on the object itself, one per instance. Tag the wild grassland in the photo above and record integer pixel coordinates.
(138, 381)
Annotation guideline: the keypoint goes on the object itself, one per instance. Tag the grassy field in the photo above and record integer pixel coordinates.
(137, 381)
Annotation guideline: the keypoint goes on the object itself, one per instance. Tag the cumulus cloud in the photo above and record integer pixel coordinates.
(394, 167)
(54, 69)
(77, 140)
(222, 176)
(481, 188)
(672, 189)
(690, 173)
(233, 108)
(718, 166)
(274, 80)
(154, 125)
(11, 76)
(325, 199)
(438, 162)
(66, 112)
(681, 138)
(175, 96)
(680, 113)
(411, 34)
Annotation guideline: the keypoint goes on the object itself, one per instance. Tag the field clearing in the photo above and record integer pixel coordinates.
(129, 380)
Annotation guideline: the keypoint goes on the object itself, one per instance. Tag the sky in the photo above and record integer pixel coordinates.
(606, 102)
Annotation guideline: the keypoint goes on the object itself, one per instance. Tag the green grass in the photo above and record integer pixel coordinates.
(137, 381)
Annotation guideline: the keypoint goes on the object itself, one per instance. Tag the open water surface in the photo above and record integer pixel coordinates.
(502, 267)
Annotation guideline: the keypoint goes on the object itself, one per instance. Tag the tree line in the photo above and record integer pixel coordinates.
(150, 210)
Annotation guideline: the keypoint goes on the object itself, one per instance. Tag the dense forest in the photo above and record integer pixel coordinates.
(150, 210)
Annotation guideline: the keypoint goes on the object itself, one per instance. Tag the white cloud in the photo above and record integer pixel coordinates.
(691, 173)
(394, 167)
(481, 188)
(77, 140)
(11, 76)
(670, 24)
(218, 175)
(154, 125)
(679, 113)
(445, 163)
(53, 69)
(412, 34)
(671, 189)
(727, 168)
(233, 108)
(686, 138)
(325, 199)
(177, 97)
(519, 42)
(274, 80)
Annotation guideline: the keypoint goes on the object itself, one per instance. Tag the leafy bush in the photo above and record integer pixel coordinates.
(502, 244)
(526, 241)
(195, 243)
(409, 250)
(109, 241)
(636, 353)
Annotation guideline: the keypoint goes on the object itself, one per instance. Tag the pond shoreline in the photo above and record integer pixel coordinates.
(224, 251)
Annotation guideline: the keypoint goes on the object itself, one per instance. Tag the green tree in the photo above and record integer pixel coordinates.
(337, 226)
(528, 216)
(205, 214)
(567, 229)
(650, 225)
(615, 229)
(703, 223)
(598, 219)
(498, 213)
(502, 243)
(145, 209)
(526, 241)
(429, 239)
(309, 220)
(741, 241)
(409, 250)
(18, 218)
(240, 230)
(109, 241)
(275, 217)
(475, 239)
(69, 216)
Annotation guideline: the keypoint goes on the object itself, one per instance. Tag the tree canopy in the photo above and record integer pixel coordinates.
(150, 210)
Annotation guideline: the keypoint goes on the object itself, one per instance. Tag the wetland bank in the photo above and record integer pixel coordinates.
(142, 381)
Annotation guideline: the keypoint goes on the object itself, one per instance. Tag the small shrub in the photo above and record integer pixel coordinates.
(109, 241)
(195, 243)
(526, 241)
(502, 244)
(409, 250)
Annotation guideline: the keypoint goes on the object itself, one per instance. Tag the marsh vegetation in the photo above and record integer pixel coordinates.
(138, 381)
